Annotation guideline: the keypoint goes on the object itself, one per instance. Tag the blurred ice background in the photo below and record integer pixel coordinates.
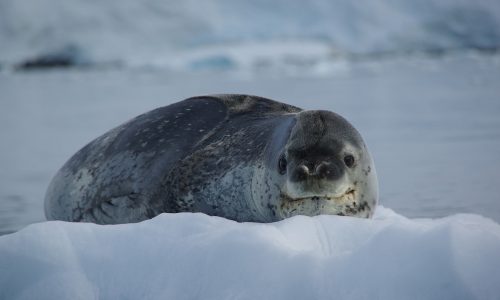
(190, 34)
(419, 79)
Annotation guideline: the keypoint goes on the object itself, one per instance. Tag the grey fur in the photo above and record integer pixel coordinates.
(217, 155)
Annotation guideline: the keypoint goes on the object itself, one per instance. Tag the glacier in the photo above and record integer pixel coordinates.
(189, 35)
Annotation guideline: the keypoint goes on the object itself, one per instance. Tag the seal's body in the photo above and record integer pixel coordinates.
(240, 157)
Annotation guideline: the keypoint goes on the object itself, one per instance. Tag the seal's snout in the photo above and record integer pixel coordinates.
(322, 170)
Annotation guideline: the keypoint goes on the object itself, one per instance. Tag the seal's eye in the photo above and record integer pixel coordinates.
(349, 160)
(282, 164)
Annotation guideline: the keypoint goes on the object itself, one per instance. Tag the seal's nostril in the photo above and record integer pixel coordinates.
(304, 169)
(322, 170)
(326, 170)
(301, 173)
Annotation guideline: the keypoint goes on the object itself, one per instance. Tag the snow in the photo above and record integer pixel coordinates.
(193, 256)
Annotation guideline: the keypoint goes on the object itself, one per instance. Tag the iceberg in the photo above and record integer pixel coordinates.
(195, 256)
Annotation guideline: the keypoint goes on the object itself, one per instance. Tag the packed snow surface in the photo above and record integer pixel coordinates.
(195, 256)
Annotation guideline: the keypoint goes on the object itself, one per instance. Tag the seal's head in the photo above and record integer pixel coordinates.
(326, 169)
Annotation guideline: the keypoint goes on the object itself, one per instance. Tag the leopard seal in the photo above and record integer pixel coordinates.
(241, 157)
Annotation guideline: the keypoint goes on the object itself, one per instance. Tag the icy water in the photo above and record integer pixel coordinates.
(432, 124)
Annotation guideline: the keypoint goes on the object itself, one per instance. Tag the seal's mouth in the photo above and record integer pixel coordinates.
(345, 204)
(348, 196)
(349, 203)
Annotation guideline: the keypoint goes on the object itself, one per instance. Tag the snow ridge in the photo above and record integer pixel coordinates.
(194, 256)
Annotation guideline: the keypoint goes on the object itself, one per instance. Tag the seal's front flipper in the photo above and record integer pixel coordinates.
(128, 208)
